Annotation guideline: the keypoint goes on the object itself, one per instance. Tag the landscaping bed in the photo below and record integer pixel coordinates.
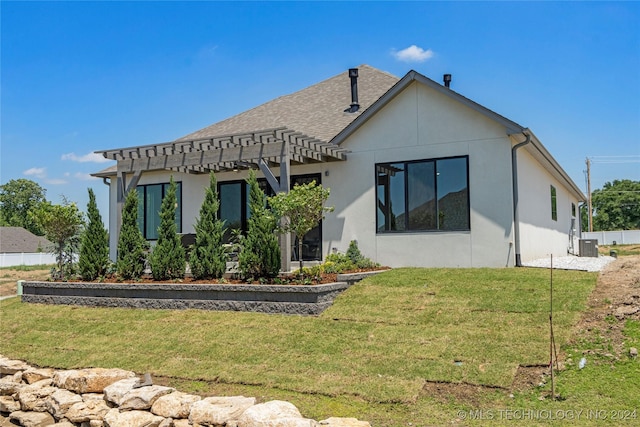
(191, 294)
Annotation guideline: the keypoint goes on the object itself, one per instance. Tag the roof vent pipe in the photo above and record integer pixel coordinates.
(353, 75)
(447, 80)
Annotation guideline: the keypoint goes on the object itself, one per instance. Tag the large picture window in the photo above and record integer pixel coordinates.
(423, 195)
(234, 210)
(149, 204)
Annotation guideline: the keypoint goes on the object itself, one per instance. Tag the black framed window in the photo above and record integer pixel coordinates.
(149, 204)
(234, 210)
(423, 195)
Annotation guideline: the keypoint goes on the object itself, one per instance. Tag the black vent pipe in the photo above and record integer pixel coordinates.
(353, 75)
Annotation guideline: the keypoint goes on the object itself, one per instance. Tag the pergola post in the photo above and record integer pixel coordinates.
(285, 179)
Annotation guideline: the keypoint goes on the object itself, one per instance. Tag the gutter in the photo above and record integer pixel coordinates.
(514, 180)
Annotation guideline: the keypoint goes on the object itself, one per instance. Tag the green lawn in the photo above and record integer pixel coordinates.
(368, 356)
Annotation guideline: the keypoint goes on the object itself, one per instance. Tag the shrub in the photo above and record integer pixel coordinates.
(208, 259)
(94, 249)
(131, 244)
(260, 256)
(168, 258)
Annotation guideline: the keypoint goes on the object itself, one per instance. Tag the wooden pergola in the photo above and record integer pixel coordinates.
(265, 148)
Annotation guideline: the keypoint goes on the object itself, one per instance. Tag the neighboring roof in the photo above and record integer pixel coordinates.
(316, 111)
(19, 240)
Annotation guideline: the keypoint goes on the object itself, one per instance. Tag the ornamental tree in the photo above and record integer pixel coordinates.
(62, 225)
(168, 260)
(132, 246)
(94, 247)
(260, 255)
(208, 260)
(302, 209)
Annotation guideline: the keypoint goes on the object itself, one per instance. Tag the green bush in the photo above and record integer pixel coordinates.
(168, 260)
(208, 259)
(94, 249)
(260, 256)
(132, 246)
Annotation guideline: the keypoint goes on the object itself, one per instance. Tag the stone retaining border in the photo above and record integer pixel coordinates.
(301, 300)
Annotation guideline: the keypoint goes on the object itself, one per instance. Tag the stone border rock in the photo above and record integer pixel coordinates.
(301, 300)
(32, 397)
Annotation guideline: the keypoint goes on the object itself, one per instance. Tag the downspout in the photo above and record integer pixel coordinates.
(514, 179)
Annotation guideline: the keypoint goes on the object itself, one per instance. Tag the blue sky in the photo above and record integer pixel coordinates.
(83, 76)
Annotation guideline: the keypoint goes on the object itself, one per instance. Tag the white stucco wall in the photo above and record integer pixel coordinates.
(423, 124)
(540, 235)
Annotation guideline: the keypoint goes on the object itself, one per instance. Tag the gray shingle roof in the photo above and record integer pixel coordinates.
(18, 240)
(317, 111)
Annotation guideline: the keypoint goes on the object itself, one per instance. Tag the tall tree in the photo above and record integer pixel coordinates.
(208, 259)
(131, 244)
(168, 258)
(19, 198)
(617, 206)
(94, 247)
(302, 208)
(62, 225)
(260, 255)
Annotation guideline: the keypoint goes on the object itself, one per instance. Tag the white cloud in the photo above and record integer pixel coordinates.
(413, 54)
(83, 176)
(55, 181)
(90, 157)
(36, 172)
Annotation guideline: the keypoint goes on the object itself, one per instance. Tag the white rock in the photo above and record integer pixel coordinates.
(9, 388)
(143, 397)
(35, 398)
(115, 418)
(34, 375)
(344, 422)
(275, 413)
(10, 367)
(59, 402)
(64, 424)
(182, 423)
(167, 422)
(93, 380)
(9, 404)
(116, 391)
(174, 405)
(32, 419)
(219, 410)
(86, 411)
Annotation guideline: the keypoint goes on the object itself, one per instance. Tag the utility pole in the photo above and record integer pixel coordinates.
(589, 211)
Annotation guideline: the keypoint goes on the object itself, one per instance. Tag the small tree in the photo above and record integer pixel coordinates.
(131, 243)
(208, 259)
(302, 209)
(168, 257)
(94, 247)
(260, 256)
(62, 225)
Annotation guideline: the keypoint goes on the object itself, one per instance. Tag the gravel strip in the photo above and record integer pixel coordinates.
(572, 263)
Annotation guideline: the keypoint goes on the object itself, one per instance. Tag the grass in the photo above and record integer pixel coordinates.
(10, 275)
(622, 250)
(368, 356)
